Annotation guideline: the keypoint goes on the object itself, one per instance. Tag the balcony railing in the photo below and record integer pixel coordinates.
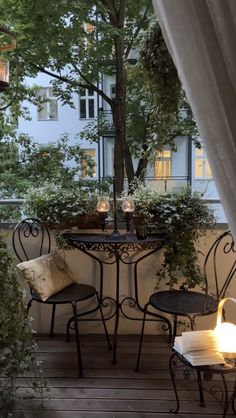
(105, 121)
(11, 213)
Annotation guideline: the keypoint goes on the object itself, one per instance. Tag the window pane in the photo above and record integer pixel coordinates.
(113, 91)
(82, 92)
(166, 154)
(91, 108)
(87, 169)
(52, 109)
(158, 169)
(166, 168)
(199, 168)
(42, 111)
(90, 92)
(82, 108)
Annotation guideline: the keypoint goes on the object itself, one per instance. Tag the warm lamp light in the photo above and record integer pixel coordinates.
(103, 207)
(103, 204)
(225, 332)
(4, 74)
(128, 207)
(4, 64)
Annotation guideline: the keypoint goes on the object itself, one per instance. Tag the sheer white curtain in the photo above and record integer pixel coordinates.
(201, 37)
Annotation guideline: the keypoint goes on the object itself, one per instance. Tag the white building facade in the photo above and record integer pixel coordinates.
(171, 170)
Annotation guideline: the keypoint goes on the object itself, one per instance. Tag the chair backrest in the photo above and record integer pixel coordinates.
(30, 239)
(220, 264)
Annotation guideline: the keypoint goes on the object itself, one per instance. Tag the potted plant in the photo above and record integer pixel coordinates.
(184, 217)
(145, 200)
(61, 207)
(17, 348)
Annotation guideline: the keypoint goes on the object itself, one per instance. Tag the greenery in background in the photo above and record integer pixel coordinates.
(58, 204)
(30, 164)
(53, 39)
(184, 217)
(17, 349)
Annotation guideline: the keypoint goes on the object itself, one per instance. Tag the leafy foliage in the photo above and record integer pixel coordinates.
(184, 217)
(30, 164)
(58, 204)
(17, 348)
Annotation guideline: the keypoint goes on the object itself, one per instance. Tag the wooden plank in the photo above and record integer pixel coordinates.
(112, 391)
(120, 405)
(103, 414)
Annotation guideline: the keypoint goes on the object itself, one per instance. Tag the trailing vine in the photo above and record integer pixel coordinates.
(17, 347)
(184, 217)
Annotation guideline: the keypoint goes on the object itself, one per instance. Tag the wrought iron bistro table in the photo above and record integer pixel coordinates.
(118, 250)
(178, 363)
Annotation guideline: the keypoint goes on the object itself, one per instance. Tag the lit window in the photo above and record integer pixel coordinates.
(49, 109)
(86, 104)
(162, 165)
(202, 166)
(89, 163)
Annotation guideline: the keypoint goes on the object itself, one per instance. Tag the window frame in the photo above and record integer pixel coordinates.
(205, 165)
(87, 98)
(47, 104)
(162, 159)
(84, 165)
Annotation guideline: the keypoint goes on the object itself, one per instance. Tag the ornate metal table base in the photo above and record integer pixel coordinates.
(118, 251)
(178, 363)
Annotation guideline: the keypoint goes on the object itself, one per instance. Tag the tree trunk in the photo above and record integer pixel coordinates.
(121, 150)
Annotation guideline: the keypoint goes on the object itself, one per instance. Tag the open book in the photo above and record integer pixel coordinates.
(199, 348)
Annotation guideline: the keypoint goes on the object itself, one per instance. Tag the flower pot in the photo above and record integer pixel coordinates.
(140, 227)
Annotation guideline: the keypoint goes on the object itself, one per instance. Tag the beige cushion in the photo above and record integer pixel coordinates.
(47, 274)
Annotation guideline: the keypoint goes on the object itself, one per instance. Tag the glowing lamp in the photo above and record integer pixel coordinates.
(225, 332)
(7, 44)
(103, 207)
(4, 74)
(128, 207)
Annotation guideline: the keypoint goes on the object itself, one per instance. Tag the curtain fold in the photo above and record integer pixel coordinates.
(201, 37)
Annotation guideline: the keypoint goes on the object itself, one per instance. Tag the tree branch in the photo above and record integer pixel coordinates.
(58, 77)
(139, 27)
(94, 87)
(75, 84)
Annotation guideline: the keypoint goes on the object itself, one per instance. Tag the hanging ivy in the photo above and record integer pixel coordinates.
(17, 347)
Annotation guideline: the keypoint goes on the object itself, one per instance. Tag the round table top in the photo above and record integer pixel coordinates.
(108, 242)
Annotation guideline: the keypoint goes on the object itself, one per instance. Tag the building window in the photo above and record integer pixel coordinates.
(202, 166)
(89, 163)
(86, 104)
(162, 165)
(112, 91)
(49, 109)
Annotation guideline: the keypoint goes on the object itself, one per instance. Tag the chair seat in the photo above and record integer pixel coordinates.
(76, 292)
(181, 302)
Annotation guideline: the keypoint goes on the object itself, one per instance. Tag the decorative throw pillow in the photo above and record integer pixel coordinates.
(47, 274)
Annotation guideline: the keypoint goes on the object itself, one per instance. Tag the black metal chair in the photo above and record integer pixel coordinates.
(220, 262)
(31, 239)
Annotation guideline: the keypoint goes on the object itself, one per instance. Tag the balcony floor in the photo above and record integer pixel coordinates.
(112, 391)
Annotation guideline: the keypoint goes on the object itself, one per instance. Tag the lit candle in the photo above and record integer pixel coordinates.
(103, 204)
(128, 205)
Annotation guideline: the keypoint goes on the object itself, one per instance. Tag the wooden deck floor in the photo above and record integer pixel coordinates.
(112, 391)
